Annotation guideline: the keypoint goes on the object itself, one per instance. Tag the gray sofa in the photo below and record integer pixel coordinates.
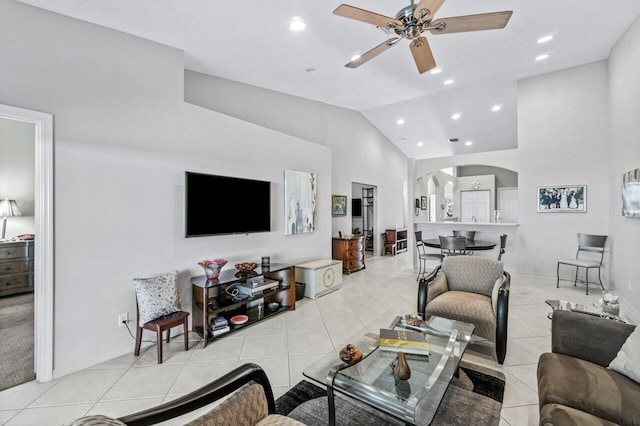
(574, 385)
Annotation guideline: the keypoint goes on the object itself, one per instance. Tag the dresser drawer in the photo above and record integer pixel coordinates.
(11, 251)
(13, 267)
(353, 263)
(355, 245)
(17, 283)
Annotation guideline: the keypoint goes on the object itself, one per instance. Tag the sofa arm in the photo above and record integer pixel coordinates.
(588, 337)
(205, 395)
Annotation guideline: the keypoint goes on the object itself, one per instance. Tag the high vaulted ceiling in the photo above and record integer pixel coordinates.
(250, 42)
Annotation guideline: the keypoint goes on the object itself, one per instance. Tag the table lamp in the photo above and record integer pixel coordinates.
(8, 208)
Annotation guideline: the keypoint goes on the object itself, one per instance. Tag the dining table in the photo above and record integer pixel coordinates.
(472, 245)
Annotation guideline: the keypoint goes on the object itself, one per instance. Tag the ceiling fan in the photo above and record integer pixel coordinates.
(411, 21)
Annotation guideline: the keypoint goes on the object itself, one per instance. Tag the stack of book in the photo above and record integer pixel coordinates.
(407, 341)
(256, 287)
(219, 325)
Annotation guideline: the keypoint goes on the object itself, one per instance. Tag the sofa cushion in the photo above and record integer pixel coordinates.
(559, 415)
(588, 387)
(626, 362)
(466, 307)
(472, 273)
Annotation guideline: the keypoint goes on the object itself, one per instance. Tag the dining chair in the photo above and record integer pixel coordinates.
(453, 246)
(503, 244)
(424, 256)
(390, 246)
(587, 243)
(471, 235)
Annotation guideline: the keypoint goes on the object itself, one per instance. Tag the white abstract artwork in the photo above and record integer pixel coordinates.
(300, 202)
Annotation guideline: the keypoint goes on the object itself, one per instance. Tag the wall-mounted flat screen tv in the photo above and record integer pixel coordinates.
(216, 205)
(356, 207)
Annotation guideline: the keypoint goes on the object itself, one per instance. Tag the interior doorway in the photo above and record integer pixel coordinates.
(43, 243)
(363, 215)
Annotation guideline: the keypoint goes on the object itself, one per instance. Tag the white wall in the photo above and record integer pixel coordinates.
(624, 103)
(562, 139)
(360, 153)
(123, 139)
(17, 173)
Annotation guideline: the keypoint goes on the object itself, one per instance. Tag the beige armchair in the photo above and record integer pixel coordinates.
(470, 289)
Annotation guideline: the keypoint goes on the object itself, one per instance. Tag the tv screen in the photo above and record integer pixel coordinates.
(356, 207)
(216, 205)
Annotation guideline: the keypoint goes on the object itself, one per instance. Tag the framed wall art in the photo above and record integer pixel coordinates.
(631, 194)
(562, 199)
(300, 202)
(338, 205)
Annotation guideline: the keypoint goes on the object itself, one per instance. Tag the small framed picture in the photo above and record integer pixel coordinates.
(562, 199)
(423, 203)
(338, 205)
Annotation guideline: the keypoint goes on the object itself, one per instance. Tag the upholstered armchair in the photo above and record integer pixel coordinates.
(470, 289)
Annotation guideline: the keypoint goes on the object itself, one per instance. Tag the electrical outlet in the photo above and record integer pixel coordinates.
(122, 318)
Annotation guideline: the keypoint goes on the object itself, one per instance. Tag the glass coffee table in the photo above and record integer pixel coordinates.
(371, 380)
(584, 308)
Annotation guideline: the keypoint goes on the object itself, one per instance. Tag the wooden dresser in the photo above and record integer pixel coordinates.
(351, 251)
(16, 267)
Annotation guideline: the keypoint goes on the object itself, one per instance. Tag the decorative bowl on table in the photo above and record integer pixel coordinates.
(413, 319)
(246, 267)
(212, 267)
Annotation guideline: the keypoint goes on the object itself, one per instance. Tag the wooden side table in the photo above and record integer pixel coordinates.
(351, 251)
(16, 267)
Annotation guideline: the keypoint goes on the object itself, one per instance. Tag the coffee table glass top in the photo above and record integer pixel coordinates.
(415, 400)
(596, 309)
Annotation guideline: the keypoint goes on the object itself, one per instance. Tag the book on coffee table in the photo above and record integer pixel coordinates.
(407, 341)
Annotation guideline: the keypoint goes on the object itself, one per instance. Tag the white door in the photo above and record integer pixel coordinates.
(508, 204)
(475, 206)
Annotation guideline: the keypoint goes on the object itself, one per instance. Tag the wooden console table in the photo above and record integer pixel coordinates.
(16, 267)
(351, 251)
(210, 300)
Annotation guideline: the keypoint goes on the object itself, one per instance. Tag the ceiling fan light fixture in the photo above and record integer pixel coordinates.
(297, 24)
(545, 39)
(542, 57)
(448, 82)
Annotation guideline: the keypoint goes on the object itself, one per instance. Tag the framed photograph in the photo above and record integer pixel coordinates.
(338, 205)
(562, 199)
(423, 203)
(631, 194)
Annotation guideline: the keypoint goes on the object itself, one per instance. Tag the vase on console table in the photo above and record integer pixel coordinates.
(212, 268)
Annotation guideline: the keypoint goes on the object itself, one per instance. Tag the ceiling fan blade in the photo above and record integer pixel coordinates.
(427, 5)
(368, 17)
(373, 52)
(422, 54)
(484, 21)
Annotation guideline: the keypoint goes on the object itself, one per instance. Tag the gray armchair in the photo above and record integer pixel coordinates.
(471, 289)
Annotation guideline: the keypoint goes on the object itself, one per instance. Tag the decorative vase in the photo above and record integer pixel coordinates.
(212, 267)
(350, 354)
(402, 370)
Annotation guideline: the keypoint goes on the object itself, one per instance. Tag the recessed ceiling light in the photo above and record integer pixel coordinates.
(496, 108)
(400, 121)
(436, 71)
(419, 144)
(297, 24)
(468, 143)
(542, 57)
(455, 116)
(355, 57)
(545, 39)
(448, 82)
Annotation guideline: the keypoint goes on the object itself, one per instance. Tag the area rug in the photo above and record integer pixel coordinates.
(16, 335)
(474, 398)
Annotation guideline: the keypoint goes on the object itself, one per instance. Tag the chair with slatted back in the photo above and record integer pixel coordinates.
(588, 245)
(453, 246)
(470, 235)
(424, 256)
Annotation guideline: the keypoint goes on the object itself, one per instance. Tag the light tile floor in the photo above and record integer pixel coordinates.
(285, 345)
